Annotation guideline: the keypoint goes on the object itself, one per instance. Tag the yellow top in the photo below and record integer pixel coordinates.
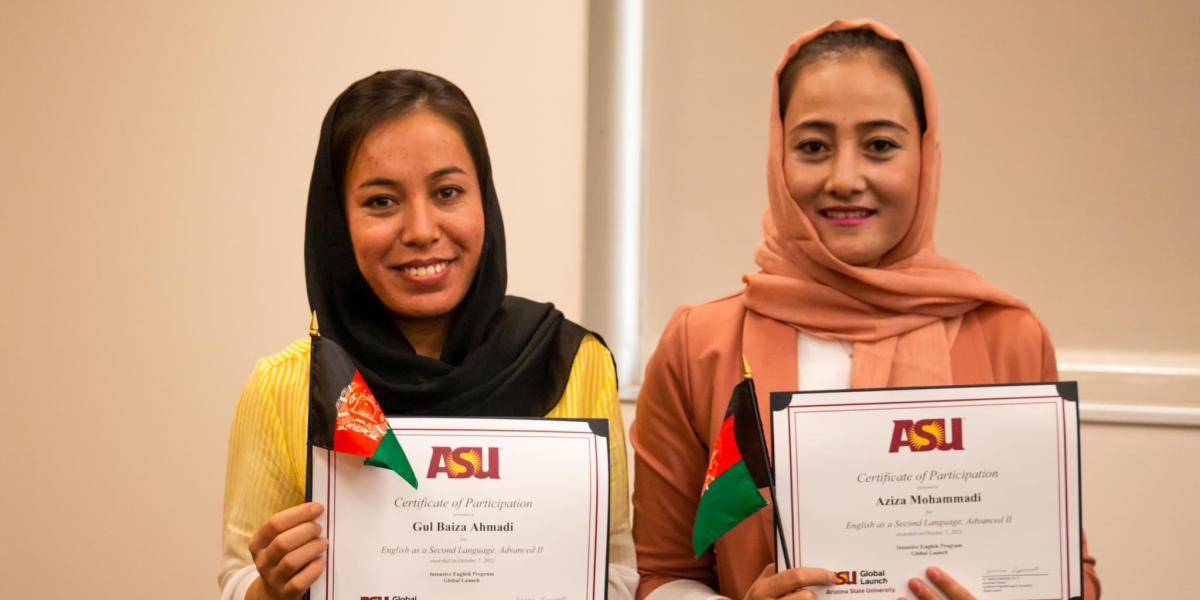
(268, 452)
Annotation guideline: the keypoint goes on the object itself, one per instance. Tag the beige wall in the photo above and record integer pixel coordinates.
(155, 164)
(155, 161)
(1139, 487)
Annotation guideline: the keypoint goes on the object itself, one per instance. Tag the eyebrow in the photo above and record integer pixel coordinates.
(438, 174)
(882, 123)
(444, 171)
(826, 126)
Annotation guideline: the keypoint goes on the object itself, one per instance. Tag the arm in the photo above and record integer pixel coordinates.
(261, 476)
(670, 459)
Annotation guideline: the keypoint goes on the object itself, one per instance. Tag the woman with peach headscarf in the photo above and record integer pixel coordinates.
(850, 293)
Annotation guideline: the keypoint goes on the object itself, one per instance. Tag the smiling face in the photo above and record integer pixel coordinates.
(415, 213)
(852, 155)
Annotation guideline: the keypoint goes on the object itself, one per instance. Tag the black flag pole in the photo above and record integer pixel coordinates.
(762, 442)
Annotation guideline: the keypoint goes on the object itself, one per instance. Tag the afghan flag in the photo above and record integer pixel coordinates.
(737, 467)
(344, 415)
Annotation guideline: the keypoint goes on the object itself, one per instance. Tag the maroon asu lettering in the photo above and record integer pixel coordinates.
(462, 463)
(926, 435)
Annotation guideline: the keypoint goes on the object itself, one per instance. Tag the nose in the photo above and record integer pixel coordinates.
(420, 227)
(845, 176)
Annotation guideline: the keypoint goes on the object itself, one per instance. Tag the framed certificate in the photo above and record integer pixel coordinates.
(505, 509)
(982, 482)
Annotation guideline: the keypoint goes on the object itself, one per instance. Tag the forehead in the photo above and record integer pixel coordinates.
(418, 141)
(850, 88)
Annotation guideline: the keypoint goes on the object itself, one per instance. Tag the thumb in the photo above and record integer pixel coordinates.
(767, 571)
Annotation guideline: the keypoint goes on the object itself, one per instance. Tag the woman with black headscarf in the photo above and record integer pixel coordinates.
(405, 266)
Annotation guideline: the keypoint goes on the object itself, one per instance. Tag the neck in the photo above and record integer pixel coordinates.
(427, 336)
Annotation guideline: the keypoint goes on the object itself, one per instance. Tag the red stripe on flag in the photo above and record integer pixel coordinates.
(353, 442)
(725, 452)
(360, 424)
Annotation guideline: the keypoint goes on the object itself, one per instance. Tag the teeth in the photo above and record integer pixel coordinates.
(426, 271)
(848, 214)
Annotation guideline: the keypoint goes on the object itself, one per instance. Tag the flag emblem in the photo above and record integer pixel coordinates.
(360, 424)
(344, 415)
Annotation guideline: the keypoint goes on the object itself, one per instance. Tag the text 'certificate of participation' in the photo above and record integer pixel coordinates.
(982, 482)
(505, 509)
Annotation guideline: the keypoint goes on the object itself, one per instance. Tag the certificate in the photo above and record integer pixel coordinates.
(982, 482)
(504, 509)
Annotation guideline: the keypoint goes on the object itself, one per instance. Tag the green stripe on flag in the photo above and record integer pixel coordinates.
(389, 455)
(728, 500)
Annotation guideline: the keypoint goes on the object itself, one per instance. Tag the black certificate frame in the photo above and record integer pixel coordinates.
(598, 427)
(1068, 391)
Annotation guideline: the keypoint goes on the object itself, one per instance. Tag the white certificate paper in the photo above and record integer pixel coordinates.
(982, 482)
(505, 509)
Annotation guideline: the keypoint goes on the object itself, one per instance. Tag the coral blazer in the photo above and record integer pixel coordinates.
(682, 403)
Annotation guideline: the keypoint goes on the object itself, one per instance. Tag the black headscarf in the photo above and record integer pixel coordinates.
(503, 355)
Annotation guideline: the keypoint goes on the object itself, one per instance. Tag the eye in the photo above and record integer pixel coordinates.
(449, 192)
(811, 147)
(379, 202)
(881, 146)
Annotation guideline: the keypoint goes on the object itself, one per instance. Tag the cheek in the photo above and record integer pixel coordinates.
(898, 184)
(804, 182)
(370, 240)
(468, 231)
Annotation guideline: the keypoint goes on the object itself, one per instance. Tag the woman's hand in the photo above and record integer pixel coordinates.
(288, 553)
(944, 583)
(788, 585)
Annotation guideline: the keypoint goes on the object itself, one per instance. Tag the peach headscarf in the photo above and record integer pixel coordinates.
(902, 316)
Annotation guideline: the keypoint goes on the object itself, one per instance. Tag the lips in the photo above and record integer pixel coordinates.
(424, 269)
(847, 215)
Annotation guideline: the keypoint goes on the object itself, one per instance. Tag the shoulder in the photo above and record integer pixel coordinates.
(591, 388)
(295, 353)
(998, 321)
(281, 377)
(705, 329)
(698, 346)
(592, 356)
(274, 401)
(722, 313)
(1015, 341)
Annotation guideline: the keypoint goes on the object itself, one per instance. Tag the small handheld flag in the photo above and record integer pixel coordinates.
(344, 415)
(738, 466)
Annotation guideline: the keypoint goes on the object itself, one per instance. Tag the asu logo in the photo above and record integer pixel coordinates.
(845, 578)
(926, 435)
(462, 463)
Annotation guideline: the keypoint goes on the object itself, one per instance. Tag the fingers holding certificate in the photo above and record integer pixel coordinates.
(504, 508)
(983, 482)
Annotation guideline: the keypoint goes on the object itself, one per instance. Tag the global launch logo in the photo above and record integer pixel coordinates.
(464, 463)
(863, 577)
(926, 434)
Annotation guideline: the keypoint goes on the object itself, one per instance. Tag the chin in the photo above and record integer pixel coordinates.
(409, 313)
(421, 311)
(857, 257)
